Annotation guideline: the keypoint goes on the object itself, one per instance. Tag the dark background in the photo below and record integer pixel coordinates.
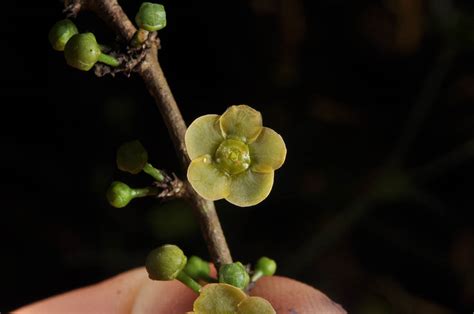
(382, 225)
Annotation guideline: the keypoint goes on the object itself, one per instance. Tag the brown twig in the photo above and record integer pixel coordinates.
(150, 70)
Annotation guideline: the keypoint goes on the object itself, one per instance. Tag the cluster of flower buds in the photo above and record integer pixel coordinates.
(82, 51)
(223, 295)
(132, 157)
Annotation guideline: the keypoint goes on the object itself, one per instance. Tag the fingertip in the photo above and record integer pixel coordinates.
(163, 297)
(129, 292)
(119, 291)
(291, 296)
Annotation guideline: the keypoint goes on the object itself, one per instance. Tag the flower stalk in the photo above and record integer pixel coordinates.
(153, 172)
(109, 60)
(188, 281)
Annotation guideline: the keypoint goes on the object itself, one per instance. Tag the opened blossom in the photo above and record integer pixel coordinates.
(233, 156)
(223, 298)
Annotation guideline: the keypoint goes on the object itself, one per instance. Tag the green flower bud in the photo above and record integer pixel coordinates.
(266, 265)
(165, 262)
(82, 51)
(197, 268)
(119, 194)
(60, 34)
(234, 274)
(151, 16)
(132, 157)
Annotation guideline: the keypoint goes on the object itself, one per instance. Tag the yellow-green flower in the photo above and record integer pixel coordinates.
(221, 298)
(233, 156)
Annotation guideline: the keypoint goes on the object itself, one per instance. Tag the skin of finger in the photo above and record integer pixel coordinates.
(134, 292)
(129, 292)
(291, 296)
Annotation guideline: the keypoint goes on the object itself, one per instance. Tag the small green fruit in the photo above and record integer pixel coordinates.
(234, 274)
(165, 262)
(119, 194)
(151, 16)
(60, 34)
(82, 51)
(197, 268)
(132, 157)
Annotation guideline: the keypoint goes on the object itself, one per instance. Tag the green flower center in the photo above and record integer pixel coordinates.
(233, 156)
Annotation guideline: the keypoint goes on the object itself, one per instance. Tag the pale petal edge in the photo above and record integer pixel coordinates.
(242, 122)
(209, 182)
(250, 188)
(203, 136)
(268, 151)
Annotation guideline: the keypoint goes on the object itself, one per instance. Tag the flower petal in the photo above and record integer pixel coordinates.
(218, 298)
(250, 188)
(242, 122)
(203, 136)
(207, 180)
(268, 152)
(255, 305)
